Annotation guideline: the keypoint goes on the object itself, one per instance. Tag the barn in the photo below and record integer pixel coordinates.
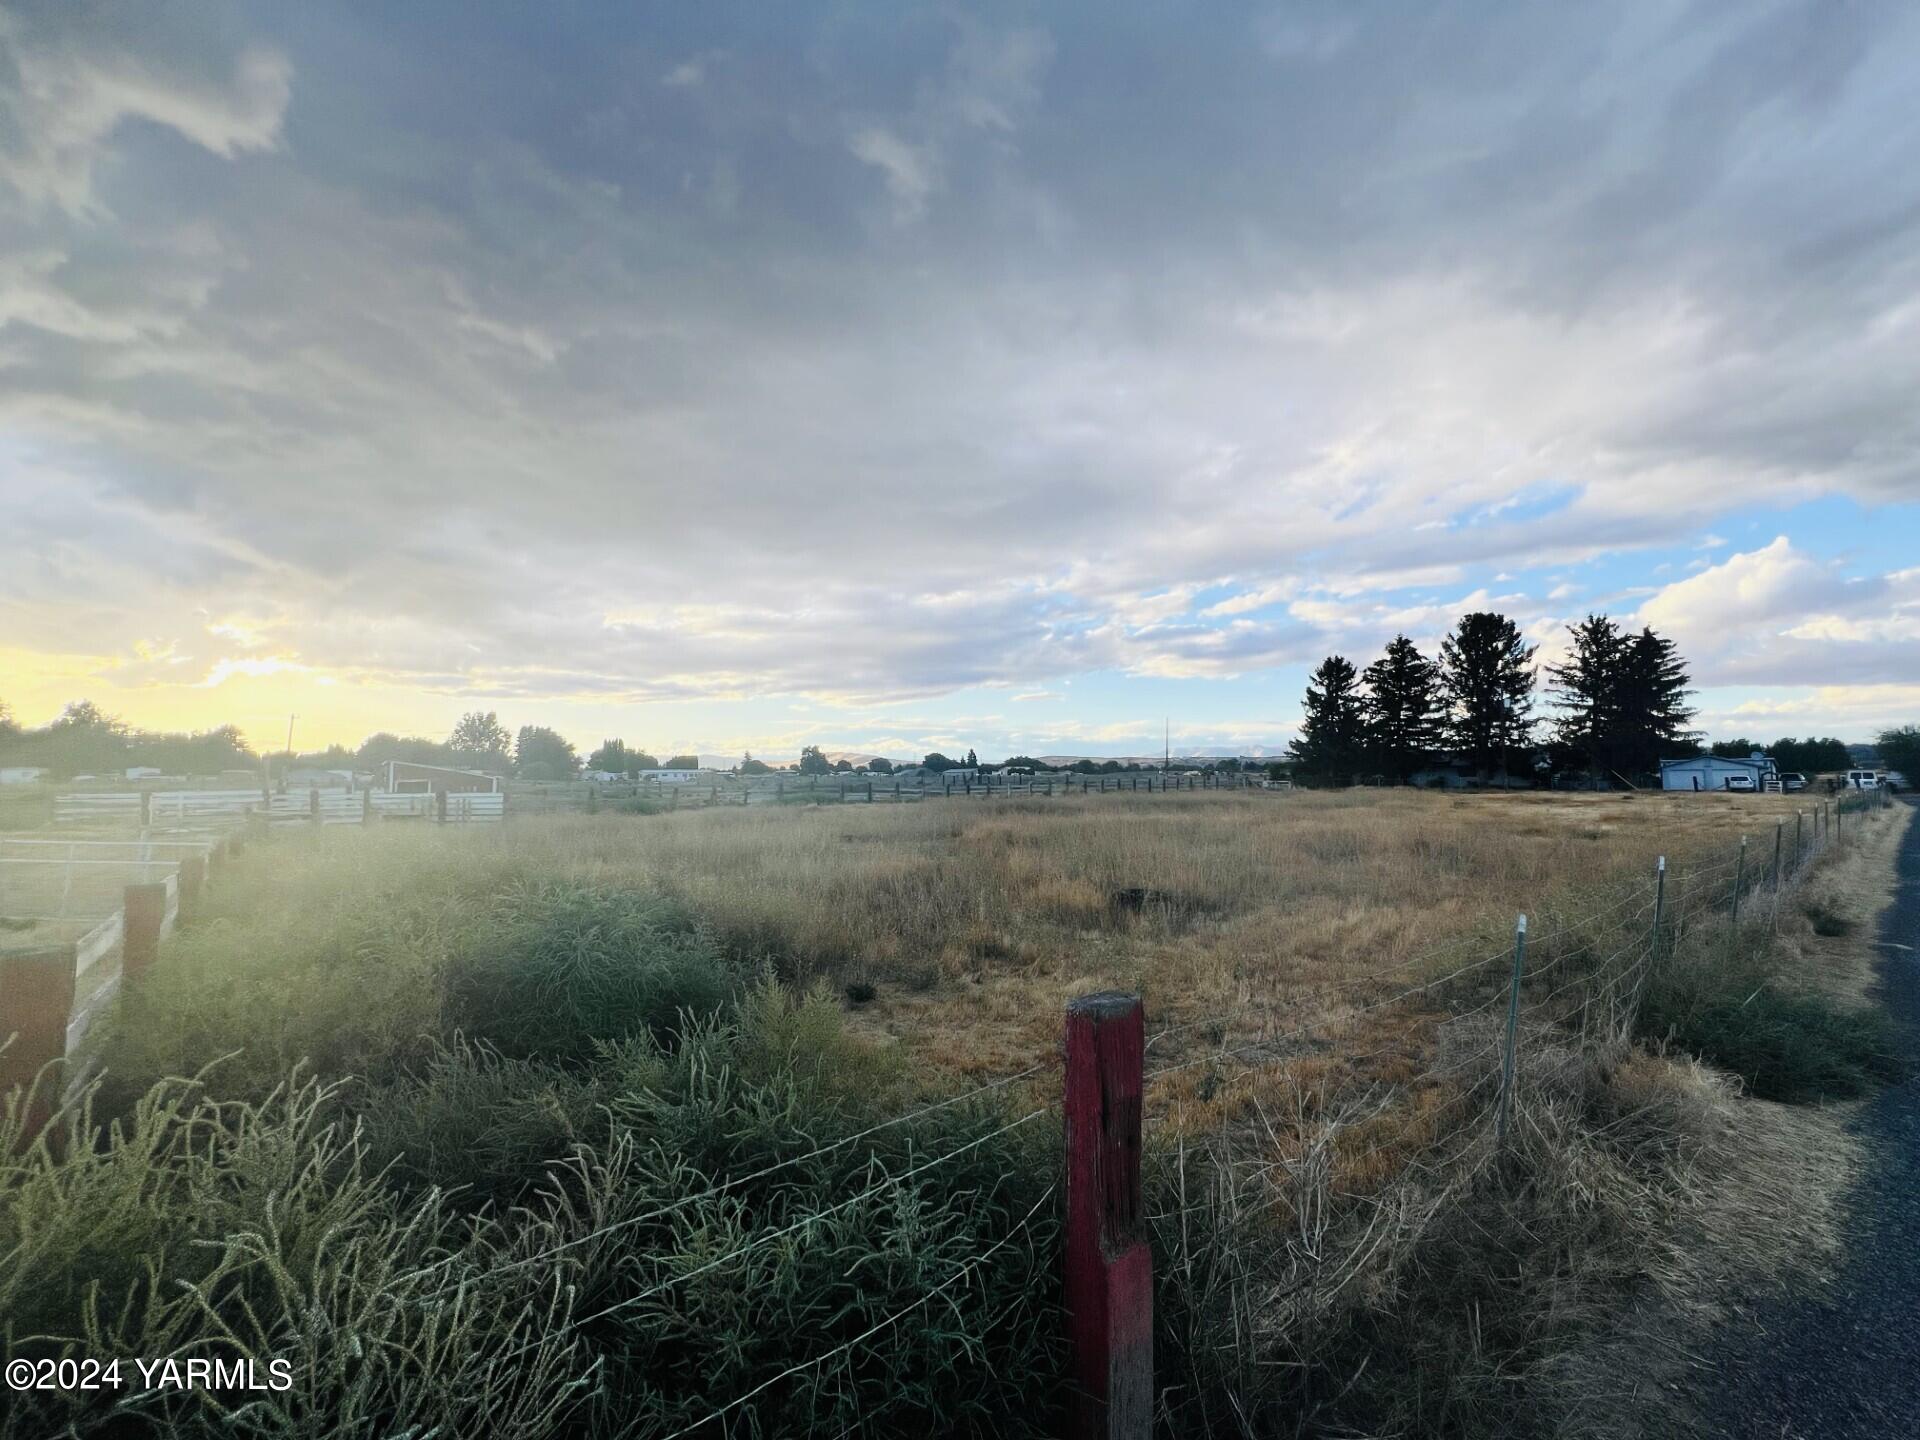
(404, 777)
(1711, 772)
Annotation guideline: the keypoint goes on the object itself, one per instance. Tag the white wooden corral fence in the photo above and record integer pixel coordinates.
(120, 808)
(130, 810)
(72, 908)
(477, 807)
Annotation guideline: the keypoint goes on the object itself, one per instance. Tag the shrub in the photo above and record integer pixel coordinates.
(562, 965)
(1788, 1046)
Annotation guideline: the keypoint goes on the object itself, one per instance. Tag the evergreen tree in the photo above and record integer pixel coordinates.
(1486, 673)
(1333, 727)
(1655, 714)
(973, 760)
(1590, 689)
(1622, 698)
(1402, 709)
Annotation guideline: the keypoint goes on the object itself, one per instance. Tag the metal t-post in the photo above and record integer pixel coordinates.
(1513, 1029)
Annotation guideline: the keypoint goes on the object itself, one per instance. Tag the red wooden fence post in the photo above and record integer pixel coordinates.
(36, 997)
(146, 911)
(1109, 1269)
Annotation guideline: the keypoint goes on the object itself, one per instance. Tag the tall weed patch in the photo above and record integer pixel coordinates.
(709, 1242)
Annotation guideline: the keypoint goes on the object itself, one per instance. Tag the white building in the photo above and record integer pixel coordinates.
(1711, 772)
(671, 777)
(21, 774)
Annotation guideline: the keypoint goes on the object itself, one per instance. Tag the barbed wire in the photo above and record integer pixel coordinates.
(738, 1180)
(872, 1330)
(804, 1222)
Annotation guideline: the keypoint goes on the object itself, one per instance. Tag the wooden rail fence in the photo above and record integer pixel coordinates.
(82, 919)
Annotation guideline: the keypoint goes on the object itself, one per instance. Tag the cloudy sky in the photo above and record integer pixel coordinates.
(894, 376)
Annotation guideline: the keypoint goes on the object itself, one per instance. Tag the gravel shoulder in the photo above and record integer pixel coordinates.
(1847, 1362)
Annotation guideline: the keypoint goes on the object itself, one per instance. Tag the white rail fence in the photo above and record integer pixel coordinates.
(131, 809)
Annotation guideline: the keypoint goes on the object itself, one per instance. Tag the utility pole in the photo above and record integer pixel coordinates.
(1166, 744)
(289, 769)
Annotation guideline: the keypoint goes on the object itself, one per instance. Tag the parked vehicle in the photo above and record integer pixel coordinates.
(1793, 780)
(1742, 784)
(1863, 779)
(1896, 782)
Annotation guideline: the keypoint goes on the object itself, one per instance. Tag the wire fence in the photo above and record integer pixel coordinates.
(1589, 971)
(1450, 1017)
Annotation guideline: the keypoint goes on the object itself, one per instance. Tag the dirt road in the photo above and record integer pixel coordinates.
(1848, 1364)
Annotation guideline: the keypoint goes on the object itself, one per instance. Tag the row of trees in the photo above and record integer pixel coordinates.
(1621, 702)
(84, 740)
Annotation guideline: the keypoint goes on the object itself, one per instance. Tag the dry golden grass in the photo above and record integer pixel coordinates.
(974, 921)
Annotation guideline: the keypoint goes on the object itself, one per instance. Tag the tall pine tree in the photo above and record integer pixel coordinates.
(1486, 672)
(1402, 710)
(1332, 738)
(1622, 698)
(1590, 689)
(1654, 694)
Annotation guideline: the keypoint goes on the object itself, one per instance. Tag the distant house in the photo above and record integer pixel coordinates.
(1712, 772)
(22, 774)
(143, 772)
(405, 777)
(960, 775)
(665, 776)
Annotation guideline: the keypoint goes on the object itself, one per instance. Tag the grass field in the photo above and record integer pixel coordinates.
(520, 1059)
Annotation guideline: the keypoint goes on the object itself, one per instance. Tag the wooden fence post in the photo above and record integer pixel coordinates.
(36, 996)
(146, 808)
(1109, 1268)
(313, 804)
(440, 807)
(146, 911)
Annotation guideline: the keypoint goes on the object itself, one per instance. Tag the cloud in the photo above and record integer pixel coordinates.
(876, 363)
(1777, 616)
(909, 170)
(78, 76)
